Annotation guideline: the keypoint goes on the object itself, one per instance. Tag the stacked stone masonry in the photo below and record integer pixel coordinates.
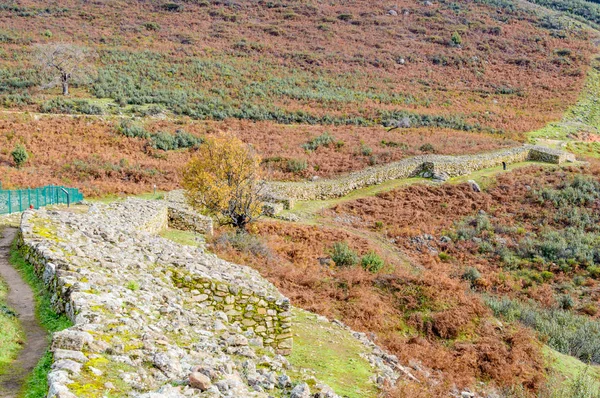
(451, 166)
(152, 318)
(114, 278)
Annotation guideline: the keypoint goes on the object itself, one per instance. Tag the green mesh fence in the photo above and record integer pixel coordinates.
(14, 201)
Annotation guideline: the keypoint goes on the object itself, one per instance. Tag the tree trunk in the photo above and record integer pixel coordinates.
(65, 84)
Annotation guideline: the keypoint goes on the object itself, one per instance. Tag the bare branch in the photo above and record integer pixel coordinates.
(62, 63)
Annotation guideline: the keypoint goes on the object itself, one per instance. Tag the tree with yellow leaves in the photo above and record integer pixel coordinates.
(224, 180)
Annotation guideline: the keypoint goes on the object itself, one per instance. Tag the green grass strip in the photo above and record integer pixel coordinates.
(11, 334)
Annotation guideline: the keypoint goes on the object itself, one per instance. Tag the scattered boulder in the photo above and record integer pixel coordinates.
(474, 186)
(301, 391)
(440, 176)
(393, 13)
(199, 381)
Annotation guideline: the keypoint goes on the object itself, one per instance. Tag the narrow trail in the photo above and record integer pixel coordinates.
(21, 299)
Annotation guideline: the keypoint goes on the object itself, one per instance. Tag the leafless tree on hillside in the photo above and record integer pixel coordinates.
(62, 63)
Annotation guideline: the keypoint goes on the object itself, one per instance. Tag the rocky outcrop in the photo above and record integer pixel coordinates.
(153, 318)
(428, 166)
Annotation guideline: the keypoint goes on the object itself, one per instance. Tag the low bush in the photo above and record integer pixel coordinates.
(427, 148)
(342, 255)
(393, 144)
(132, 130)
(19, 155)
(565, 302)
(244, 242)
(366, 150)
(163, 141)
(372, 262)
(61, 105)
(296, 165)
(471, 275)
(324, 139)
(566, 332)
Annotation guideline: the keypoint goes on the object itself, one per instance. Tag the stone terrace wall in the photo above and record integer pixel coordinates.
(451, 165)
(120, 283)
(182, 217)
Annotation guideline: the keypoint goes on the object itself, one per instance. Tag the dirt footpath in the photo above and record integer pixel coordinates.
(20, 298)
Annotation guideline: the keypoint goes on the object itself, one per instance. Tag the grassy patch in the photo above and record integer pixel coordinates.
(487, 177)
(569, 368)
(309, 208)
(11, 335)
(115, 198)
(333, 354)
(36, 385)
(186, 238)
(580, 120)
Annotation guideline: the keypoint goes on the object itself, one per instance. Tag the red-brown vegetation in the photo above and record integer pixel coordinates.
(413, 212)
(428, 319)
(87, 152)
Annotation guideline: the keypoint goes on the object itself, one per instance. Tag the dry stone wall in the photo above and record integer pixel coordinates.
(116, 280)
(429, 165)
(150, 314)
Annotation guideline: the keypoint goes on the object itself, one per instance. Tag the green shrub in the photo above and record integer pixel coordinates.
(342, 255)
(183, 139)
(371, 262)
(163, 141)
(565, 302)
(547, 276)
(366, 150)
(456, 39)
(296, 165)
(151, 26)
(427, 148)
(345, 17)
(61, 105)
(132, 130)
(324, 139)
(594, 271)
(566, 332)
(471, 274)
(133, 285)
(245, 243)
(393, 144)
(444, 257)
(172, 7)
(19, 155)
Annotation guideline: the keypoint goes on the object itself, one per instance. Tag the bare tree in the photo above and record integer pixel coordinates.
(61, 63)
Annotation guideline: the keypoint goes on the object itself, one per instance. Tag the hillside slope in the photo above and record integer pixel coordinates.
(475, 73)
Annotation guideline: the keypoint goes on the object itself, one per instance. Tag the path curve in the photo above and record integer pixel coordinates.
(21, 299)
